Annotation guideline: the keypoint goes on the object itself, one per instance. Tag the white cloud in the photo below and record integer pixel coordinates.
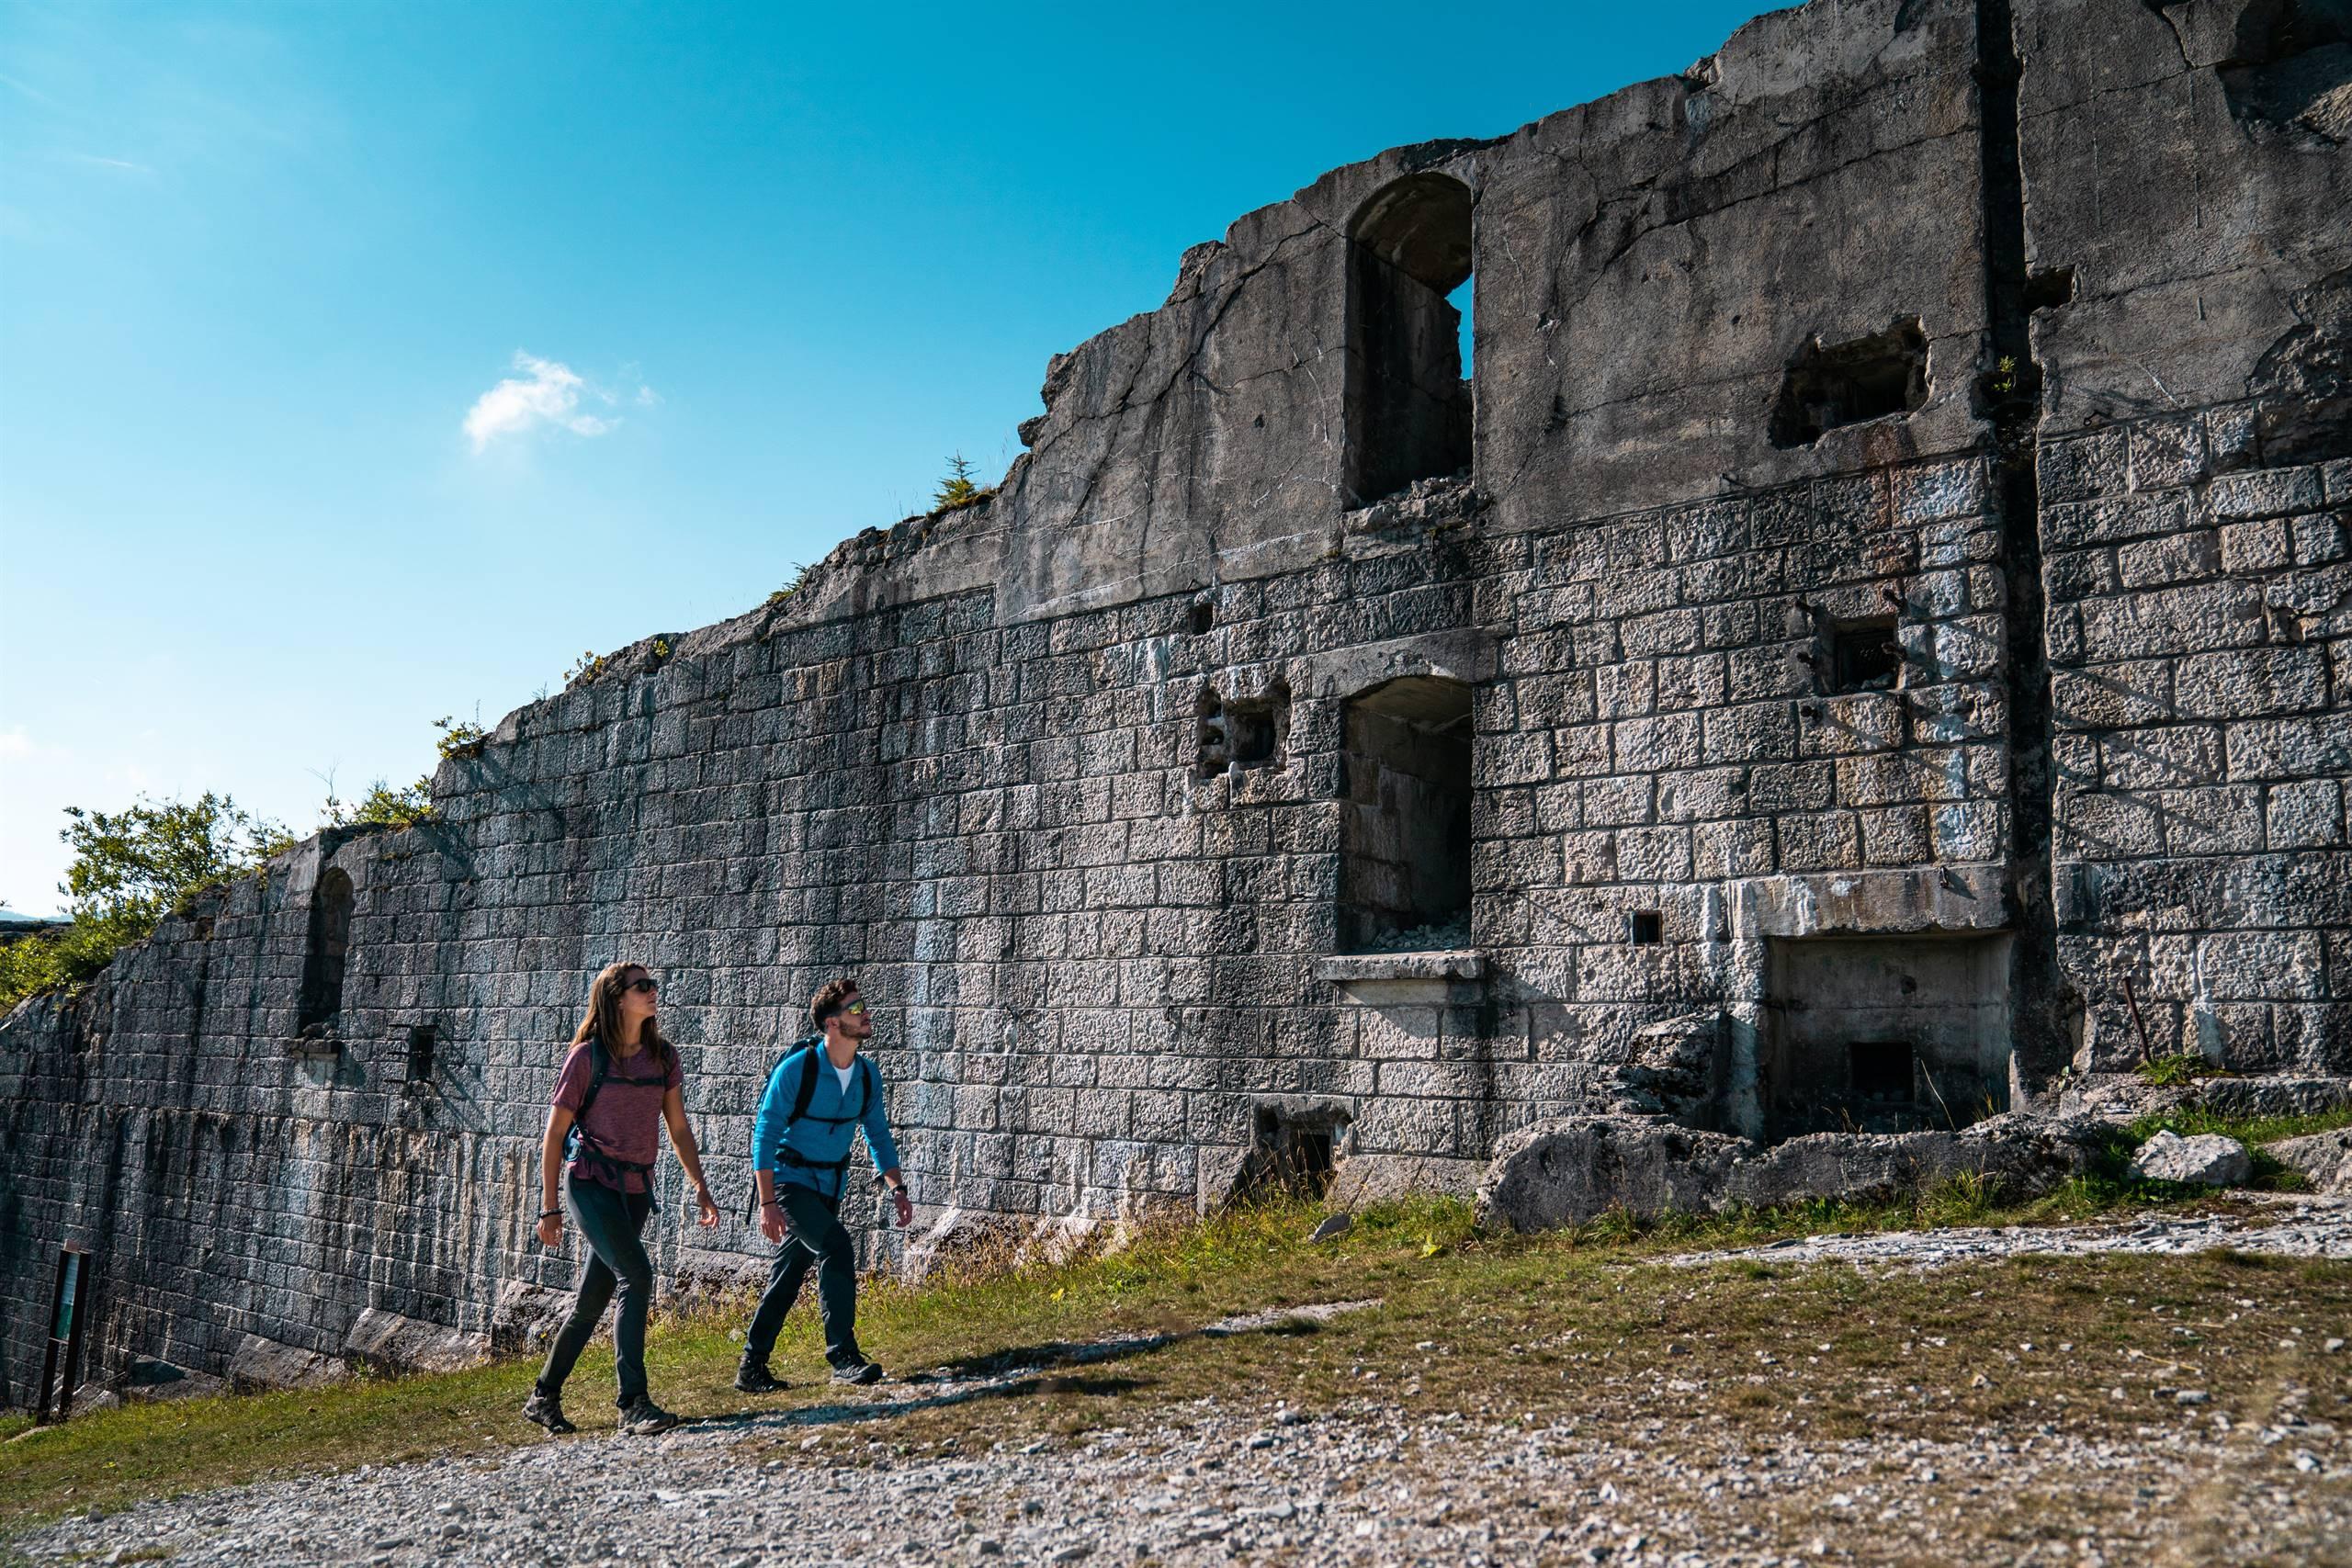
(16, 744)
(110, 162)
(648, 397)
(548, 392)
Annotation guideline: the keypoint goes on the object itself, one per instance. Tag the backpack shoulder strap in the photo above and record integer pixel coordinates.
(595, 1080)
(870, 1079)
(807, 1089)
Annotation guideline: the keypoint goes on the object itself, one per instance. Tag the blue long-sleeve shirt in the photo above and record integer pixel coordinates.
(822, 1137)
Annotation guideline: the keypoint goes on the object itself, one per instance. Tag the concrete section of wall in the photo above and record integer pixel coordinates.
(1887, 1034)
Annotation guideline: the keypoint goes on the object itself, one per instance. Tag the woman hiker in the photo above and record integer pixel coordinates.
(619, 1081)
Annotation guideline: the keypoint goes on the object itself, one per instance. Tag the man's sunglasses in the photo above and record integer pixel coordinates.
(855, 1008)
(643, 984)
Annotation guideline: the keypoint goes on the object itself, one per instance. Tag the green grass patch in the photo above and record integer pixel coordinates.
(1590, 1324)
(2253, 1132)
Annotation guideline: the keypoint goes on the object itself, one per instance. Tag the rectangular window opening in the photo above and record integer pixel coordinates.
(421, 1042)
(1243, 734)
(1864, 656)
(1404, 833)
(1645, 928)
(1879, 1071)
(1295, 1155)
(1849, 383)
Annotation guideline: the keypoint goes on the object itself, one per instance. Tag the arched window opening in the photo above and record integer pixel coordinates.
(322, 964)
(1408, 405)
(1405, 874)
(1464, 300)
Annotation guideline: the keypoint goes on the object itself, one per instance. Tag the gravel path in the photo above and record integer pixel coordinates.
(2298, 1227)
(1214, 1480)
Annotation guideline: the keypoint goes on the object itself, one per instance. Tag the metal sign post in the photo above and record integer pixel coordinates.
(68, 1315)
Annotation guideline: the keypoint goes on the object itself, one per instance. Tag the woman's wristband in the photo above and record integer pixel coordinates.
(549, 1214)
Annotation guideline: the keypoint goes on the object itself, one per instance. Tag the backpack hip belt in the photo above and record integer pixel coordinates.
(582, 1150)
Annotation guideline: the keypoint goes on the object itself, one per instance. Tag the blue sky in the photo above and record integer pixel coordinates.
(364, 363)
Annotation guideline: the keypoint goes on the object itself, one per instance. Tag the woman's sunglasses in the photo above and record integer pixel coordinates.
(643, 984)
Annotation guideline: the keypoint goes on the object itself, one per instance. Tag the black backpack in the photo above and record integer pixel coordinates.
(803, 1096)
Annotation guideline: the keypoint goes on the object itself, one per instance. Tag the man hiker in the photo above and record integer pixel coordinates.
(818, 1097)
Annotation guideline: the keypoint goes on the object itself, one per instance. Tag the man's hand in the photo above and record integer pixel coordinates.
(772, 1224)
(906, 1207)
(551, 1230)
(710, 1208)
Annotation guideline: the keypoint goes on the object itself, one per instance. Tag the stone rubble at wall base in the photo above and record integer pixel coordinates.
(2207, 1159)
(1571, 1170)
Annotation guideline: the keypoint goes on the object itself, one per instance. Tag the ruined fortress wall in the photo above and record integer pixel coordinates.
(2189, 164)
(1087, 783)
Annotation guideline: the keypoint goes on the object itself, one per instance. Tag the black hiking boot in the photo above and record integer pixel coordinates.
(640, 1418)
(858, 1372)
(546, 1409)
(753, 1377)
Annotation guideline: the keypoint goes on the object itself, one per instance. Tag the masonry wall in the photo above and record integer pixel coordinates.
(963, 760)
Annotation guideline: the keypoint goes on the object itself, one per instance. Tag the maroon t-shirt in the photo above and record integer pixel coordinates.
(625, 1121)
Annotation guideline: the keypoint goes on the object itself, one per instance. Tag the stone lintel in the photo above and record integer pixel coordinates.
(1452, 963)
(1956, 898)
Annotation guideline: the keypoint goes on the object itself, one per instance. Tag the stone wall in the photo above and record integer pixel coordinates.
(1898, 512)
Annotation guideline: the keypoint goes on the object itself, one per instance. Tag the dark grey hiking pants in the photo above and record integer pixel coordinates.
(610, 1223)
(819, 1240)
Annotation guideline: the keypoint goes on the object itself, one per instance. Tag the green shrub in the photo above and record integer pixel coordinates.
(47, 960)
(382, 806)
(130, 868)
(2187, 1067)
(458, 737)
(801, 570)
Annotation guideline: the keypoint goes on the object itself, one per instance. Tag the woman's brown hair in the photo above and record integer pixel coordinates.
(602, 1019)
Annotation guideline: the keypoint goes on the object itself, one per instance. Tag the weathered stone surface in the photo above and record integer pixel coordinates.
(1571, 1170)
(2324, 1159)
(1564, 1172)
(2123, 1097)
(145, 1378)
(2280, 1095)
(2207, 1159)
(262, 1363)
(1891, 508)
(527, 1316)
(1675, 1068)
(390, 1343)
(1363, 1180)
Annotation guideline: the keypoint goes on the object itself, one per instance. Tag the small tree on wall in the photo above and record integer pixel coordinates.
(959, 489)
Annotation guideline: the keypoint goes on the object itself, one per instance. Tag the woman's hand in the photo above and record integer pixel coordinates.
(551, 1229)
(710, 1208)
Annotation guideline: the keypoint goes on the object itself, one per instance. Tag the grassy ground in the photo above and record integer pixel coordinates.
(1588, 1322)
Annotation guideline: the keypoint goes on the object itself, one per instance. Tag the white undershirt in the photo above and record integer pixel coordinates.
(842, 1074)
